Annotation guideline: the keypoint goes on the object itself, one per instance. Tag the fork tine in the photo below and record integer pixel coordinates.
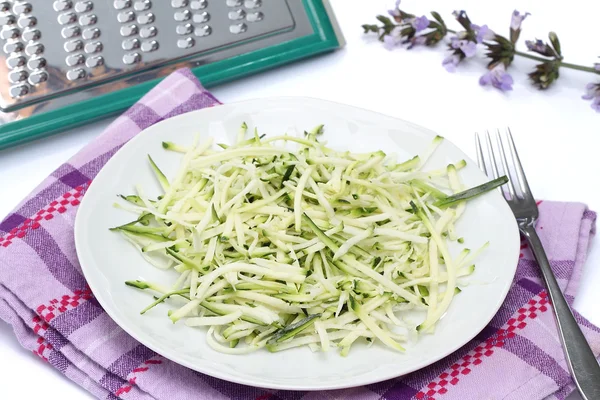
(521, 180)
(480, 159)
(491, 155)
(510, 185)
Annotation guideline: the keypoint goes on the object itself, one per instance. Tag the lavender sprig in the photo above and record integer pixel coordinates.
(407, 29)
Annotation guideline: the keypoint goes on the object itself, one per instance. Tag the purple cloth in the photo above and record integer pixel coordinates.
(44, 296)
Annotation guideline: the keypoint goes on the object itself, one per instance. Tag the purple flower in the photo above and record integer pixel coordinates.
(483, 33)
(396, 11)
(498, 78)
(420, 23)
(540, 47)
(459, 14)
(517, 20)
(597, 66)
(593, 93)
(389, 42)
(537, 46)
(463, 19)
(515, 25)
(393, 39)
(417, 40)
(451, 62)
(591, 90)
(467, 47)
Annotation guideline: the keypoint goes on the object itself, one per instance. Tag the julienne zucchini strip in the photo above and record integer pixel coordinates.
(282, 248)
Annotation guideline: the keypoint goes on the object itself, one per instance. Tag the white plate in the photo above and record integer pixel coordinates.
(108, 260)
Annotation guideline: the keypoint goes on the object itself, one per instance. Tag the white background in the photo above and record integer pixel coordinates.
(557, 133)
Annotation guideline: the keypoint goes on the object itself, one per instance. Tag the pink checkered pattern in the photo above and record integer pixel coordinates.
(44, 349)
(451, 376)
(55, 307)
(69, 199)
(133, 375)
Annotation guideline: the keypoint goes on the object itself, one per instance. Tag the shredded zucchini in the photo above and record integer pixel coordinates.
(280, 247)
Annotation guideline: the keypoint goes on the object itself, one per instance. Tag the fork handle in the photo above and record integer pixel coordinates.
(579, 356)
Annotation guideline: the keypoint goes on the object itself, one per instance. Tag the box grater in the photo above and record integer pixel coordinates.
(67, 62)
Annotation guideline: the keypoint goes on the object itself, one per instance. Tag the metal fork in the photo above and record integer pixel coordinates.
(580, 359)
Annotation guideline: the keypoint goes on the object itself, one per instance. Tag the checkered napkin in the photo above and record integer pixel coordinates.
(44, 296)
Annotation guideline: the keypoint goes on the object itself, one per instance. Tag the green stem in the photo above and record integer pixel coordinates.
(542, 59)
(578, 67)
(530, 56)
(561, 63)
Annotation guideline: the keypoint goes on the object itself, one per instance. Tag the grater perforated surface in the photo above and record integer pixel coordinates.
(54, 47)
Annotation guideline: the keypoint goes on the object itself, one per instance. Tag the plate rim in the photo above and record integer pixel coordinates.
(276, 386)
